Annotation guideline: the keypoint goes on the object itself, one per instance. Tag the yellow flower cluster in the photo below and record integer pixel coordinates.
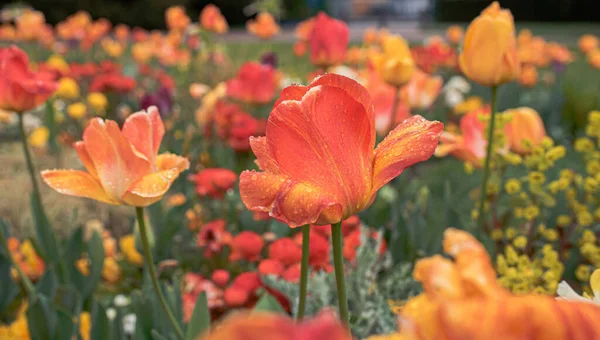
(520, 274)
(18, 329)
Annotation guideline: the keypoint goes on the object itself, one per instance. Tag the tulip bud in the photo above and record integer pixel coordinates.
(489, 54)
(527, 127)
(395, 65)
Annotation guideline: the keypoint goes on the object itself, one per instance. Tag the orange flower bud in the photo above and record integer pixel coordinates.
(528, 76)
(588, 43)
(264, 26)
(526, 125)
(395, 65)
(489, 55)
(455, 34)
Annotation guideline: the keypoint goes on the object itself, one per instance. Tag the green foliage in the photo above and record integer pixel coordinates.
(200, 321)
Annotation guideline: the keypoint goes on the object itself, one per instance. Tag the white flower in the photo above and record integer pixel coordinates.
(121, 301)
(458, 83)
(111, 313)
(453, 97)
(565, 292)
(129, 321)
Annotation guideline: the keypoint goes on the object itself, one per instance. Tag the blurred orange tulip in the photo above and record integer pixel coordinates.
(30, 24)
(317, 156)
(422, 90)
(525, 127)
(395, 65)
(463, 300)
(489, 53)
(328, 41)
(212, 20)
(470, 145)
(264, 26)
(528, 76)
(588, 43)
(455, 34)
(382, 96)
(272, 326)
(176, 18)
(21, 89)
(594, 58)
(254, 83)
(123, 167)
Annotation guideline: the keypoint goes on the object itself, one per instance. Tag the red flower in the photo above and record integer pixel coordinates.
(286, 251)
(82, 70)
(213, 237)
(21, 89)
(194, 284)
(319, 252)
(112, 82)
(292, 274)
(351, 243)
(246, 245)
(214, 182)
(220, 277)
(317, 157)
(247, 281)
(254, 83)
(328, 41)
(243, 126)
(270, 267)
(235, 297)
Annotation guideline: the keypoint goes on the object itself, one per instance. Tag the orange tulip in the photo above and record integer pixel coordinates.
(272, 326)
(123, 167)
(382, 96)
(528, 76)
(395, 65)
(470, 145)
(526, 126)
(30, 24)
(176, 18)
(455, 34)
(422, 90)
(212, 20)
(588, 42)
(489, 53)
(254, 83)
(317, 157)
(328, 41)
(594, 58)
(463, 300)
(21, 89)
(264, 27)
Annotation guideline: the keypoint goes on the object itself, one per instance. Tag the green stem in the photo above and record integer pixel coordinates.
(152, 271)
(30, 167)
(29, 288)
(394, 113)
(488, 157)
(304, 271)
(338, 262)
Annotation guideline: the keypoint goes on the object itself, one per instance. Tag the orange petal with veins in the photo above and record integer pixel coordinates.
(264, 161)
(76, 183)
(145, 130)
(166, 161)
(150, 188)
(85, 158)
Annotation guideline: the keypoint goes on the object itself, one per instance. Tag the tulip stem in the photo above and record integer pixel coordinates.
(30, 167)
(338, 263)
(29, 288)
(304, 271)
(394, 113)
(152, 271)
(488, 157)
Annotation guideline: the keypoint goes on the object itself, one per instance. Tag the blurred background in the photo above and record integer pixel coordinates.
(150, 13)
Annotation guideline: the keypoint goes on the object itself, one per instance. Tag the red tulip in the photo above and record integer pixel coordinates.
(286, 251)
(112, 82)
(328, 41)
(247, 246)
(214, 182)
(317, 157)
(20, 88)
(254, 83)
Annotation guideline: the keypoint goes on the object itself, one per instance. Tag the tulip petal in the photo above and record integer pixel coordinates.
(264, 161)
(293, 92)
(413, 141)
(145, 130)
(150, 188)
(166, 161)
(259, 190)
(76, 183)
(114, 159)
(324, 140)
(85, 158)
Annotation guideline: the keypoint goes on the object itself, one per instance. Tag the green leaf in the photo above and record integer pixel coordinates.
(95, 249)
(68, 299)
(65, 327)
(158, 336)
(48, 284)
(41, 319)
(200, 320)
(43, 229)
(100, 324)
(268, 303)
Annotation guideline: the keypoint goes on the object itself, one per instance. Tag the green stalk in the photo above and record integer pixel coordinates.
(394, 113)
(29, 288)
(152, 271)
(304, 271)
(30, 167)
(488, 156)
(338, 262)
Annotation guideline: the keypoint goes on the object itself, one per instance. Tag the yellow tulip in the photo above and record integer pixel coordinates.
(127, 245)
(395, 65)
(39, 137)
(67, 88)
(97, 101)
(489, 53)
(525, 128)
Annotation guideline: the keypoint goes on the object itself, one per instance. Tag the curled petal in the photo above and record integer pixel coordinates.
(264, 161)
(294, 92)
(259, 190)
(166, 161)
(114, 159)
(85, 158)
(439, 277)
(411, 142)
(76, 183)
(150, 188)
(145, 130)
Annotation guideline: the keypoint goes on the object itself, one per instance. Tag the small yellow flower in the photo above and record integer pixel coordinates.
(594, 117)
(512, 186)
(127, 245)
(76, 110)
(468, 105)
(593, 167)
(531, 212)
(496, 234)
(551, 235)
(39, 137)
(584, 218)
(510, 233)
(588, 237)
(583, 272)
(584, 144)
(111, 272)
(469, 169)
(67, 88)
(85, 325)
(83, 266)
(57, 62)
(556, 153)
(547, 142)
(520, 242)
(97, 101)
(513, 158)
(176, 200)
(567, 174)
(563, 220)
(590, 185)
(536, 178)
